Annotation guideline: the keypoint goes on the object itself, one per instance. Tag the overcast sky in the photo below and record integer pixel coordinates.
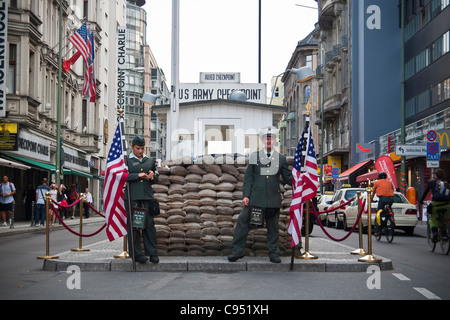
(222, 36)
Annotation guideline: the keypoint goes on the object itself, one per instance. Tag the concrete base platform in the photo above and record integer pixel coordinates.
(332, 257)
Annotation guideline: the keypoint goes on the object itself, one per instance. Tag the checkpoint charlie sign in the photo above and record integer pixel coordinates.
(216, 85)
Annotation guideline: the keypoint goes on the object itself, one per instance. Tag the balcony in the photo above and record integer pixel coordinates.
(329, 9)
(337, 53)
(329, 61)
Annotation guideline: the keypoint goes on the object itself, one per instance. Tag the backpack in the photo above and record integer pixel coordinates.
(441, 191)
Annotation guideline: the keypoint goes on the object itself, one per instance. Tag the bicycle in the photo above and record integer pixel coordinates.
(442, 233)
(387, 222)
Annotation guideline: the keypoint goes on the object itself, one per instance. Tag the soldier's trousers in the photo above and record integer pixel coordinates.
(243, 227)
(148, 234)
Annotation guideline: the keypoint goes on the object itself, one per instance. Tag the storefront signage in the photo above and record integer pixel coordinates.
(32, 146)
(3, 53)
(74, 160)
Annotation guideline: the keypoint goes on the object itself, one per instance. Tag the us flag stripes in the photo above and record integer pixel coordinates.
(304, 182)
(115, 178)
(79, 40)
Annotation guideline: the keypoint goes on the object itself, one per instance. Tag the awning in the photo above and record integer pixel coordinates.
(39, 164)
(82, 174)
(346, 174)
(12, 164)
(367, 176)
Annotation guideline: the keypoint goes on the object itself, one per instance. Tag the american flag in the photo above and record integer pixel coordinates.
(89, 84)
(115, 178)
(304, 182)
(80, 40)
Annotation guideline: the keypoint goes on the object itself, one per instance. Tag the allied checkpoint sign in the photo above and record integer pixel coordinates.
(219, 85)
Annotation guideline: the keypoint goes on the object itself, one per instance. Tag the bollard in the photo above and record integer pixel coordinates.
(124, 254)
(47, 231)
(369, 257)
(307, 255)
(80, 241)
(359, 251)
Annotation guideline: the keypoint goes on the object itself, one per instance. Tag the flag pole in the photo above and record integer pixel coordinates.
(129, 215)
(307, 255)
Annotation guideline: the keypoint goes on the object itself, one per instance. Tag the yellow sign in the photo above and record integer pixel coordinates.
(9, 133)
(444, 134)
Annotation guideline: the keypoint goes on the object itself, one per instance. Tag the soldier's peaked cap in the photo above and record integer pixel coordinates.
(269, 131)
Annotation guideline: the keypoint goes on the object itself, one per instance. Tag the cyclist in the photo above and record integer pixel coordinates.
(437, 202)
(384, 190)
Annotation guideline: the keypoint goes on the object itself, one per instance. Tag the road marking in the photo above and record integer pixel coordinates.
(401, 277)
(428, 294)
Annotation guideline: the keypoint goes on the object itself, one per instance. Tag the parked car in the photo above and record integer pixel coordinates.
(324, 203)
(405, 213)
(341, 196)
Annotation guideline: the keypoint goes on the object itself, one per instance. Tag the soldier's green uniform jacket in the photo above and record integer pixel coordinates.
(262, 179)
(140, 189)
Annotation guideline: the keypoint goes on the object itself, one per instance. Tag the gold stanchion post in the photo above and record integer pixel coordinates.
(124, 254)
(47, 230)
(307, 255)
(359, 251)
(369, 257)
(80, 241)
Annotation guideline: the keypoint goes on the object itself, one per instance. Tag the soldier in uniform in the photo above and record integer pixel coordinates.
(141, 175)
(262, 189)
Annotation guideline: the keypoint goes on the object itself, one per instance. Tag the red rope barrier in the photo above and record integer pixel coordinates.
(72, 231)
(329, 235)
(340, 206)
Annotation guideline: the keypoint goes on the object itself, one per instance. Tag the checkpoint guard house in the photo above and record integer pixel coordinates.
(212, 123)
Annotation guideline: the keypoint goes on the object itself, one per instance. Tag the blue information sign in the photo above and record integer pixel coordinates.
(433, 151)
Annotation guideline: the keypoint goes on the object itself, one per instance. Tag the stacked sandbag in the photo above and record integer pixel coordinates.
(200, 203)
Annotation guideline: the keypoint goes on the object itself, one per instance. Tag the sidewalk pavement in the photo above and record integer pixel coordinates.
(332, 257)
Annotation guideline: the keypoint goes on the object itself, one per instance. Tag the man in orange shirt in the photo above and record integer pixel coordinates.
(384, 190)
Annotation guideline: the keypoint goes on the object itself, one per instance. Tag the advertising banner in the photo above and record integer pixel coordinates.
(385, 164)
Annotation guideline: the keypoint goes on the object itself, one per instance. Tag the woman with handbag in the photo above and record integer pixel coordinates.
(141, 175)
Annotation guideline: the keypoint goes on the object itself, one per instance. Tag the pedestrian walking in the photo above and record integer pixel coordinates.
(72, 196)
(262, 192)
(87, 198)
(40, 203)
(54, 197)
(62, 201)
(8, 190)
(29, 196)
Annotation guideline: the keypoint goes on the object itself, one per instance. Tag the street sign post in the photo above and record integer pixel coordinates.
(433, 154)
(410, 150)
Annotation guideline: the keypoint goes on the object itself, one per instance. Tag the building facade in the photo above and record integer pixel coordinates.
(32, 95)
(297, 95)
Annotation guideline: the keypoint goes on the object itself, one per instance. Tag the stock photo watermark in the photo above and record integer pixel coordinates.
(374, 280)
(74, 280)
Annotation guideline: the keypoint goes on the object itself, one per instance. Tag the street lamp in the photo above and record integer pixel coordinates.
(149, 98)
(303, 74)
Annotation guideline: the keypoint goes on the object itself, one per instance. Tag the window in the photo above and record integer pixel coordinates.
(219, 139)
(12, 68)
